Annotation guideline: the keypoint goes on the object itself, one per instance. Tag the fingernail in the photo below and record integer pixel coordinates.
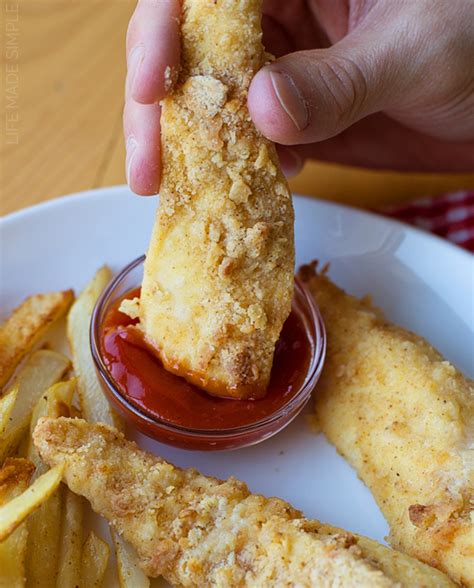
(290, 99)
(290, 160)
(135, 59)
(131, 148)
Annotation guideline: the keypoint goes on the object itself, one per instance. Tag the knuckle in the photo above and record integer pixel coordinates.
(343, 85)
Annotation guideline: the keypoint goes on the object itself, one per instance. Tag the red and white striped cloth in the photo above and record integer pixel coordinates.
(450, 216)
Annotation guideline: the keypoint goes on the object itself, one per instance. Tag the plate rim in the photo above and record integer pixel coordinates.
(326, 508)
(372, 215)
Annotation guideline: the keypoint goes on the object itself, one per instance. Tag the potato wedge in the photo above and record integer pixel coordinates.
(60, 399)
(69, 567)
(55, 402)
(15, 475)
(14, 479)
(95, 559)
(12, 559)
(26, 325)
(93, 402)
(44, 531)
(14, 512)
(7, 403)
(129, 573)
(42, 369)
(44, 525)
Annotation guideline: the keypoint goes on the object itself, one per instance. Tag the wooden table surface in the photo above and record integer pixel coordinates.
(63, 68)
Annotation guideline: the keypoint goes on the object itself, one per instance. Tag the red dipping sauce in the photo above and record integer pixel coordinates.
(145, 383)
(168, 409)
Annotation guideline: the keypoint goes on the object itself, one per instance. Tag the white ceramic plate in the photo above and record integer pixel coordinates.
(421, 282)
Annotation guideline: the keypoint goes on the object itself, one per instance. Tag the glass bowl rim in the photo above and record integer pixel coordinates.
(312, 376)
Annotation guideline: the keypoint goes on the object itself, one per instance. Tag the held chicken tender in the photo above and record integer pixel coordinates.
(218, 277)
(199, 531)
(404, 418)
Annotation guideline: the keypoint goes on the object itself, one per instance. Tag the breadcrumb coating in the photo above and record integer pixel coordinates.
(199, 531)
(404, 418)
(218, 277)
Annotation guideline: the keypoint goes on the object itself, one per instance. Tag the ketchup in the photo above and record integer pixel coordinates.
(141, 377)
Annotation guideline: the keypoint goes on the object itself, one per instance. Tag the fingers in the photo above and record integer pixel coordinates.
(291, 161)
(310, 96)
(276, 39)
(379, 142)
(313, 95)
(142, 140)
(153, 48)
(292, 26)
(153, 53)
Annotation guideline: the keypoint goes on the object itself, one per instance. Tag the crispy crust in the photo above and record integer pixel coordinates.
(218, 276)
(15, 475)
(404, 418)
(199, 531)
(26, 325)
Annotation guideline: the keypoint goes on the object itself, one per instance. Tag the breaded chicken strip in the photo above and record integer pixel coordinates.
(404, 418)
(218, 276)
(199, 531)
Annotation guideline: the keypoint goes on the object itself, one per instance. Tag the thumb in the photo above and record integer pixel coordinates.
(310, 96)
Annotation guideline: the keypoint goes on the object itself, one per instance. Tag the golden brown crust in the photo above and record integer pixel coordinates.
(200, 531)
(404, 418)
(26, 325)
(218, 276)
(15, 475)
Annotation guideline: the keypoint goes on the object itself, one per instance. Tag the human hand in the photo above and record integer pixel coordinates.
(373, 83)
(153, 48)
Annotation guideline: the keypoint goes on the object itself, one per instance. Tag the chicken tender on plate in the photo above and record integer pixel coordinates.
(218, 277)
(199, 531)
(404, 418)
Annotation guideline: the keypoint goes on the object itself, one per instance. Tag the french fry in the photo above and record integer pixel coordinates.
(7, 403)
(12, 559)
(14, 512)
(14, 479)
(15, 475)
(69, 567)
(55, 402)
(129, 573)
(44, 546)
(49, 539)
(42, 369)
(26, 325)
(44, 529)
(44, 525)
(93, 402)
(60, 399)
(94, 405)
(95, 559)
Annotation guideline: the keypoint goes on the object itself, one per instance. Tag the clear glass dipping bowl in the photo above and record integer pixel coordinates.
(206, 439)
